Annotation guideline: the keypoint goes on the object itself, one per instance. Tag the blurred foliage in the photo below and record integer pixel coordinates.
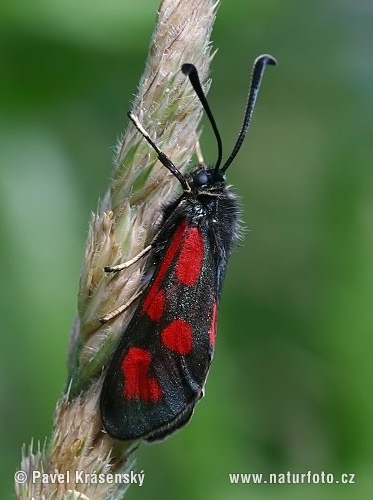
(290, 385)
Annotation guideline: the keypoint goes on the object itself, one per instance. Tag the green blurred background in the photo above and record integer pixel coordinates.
(290, 386)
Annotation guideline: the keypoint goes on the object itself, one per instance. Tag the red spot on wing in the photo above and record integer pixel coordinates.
(213, 325)
(155, 308)
(165, 264)
(190, 259)
(177, 336)
(137, 384)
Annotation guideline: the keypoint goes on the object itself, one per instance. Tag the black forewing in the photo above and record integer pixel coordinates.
(181, 377)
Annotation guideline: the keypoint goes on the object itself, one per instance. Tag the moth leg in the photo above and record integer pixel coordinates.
(201, 162)
(162, 157)
(112, 314)
(128, 263)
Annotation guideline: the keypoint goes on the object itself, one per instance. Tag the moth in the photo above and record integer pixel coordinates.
(159, 369)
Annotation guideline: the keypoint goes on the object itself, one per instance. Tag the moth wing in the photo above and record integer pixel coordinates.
(160, 367)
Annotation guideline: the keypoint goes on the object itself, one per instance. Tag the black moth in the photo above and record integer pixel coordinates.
(159, 369)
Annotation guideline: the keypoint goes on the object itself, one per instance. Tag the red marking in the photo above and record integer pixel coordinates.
(213, 325)
(165, 264)
(177, 336)
(155, 308)
(137, 384)
(190, 260)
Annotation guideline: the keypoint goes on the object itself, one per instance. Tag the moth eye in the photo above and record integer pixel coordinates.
(201, 178)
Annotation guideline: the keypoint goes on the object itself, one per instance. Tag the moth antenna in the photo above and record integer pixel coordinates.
(259, 66)
(162, 157)
(191, 71)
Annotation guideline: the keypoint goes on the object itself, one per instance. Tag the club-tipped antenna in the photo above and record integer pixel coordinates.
(259, 66)
(191, 71)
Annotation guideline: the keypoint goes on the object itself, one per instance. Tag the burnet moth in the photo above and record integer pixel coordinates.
(159, 369)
